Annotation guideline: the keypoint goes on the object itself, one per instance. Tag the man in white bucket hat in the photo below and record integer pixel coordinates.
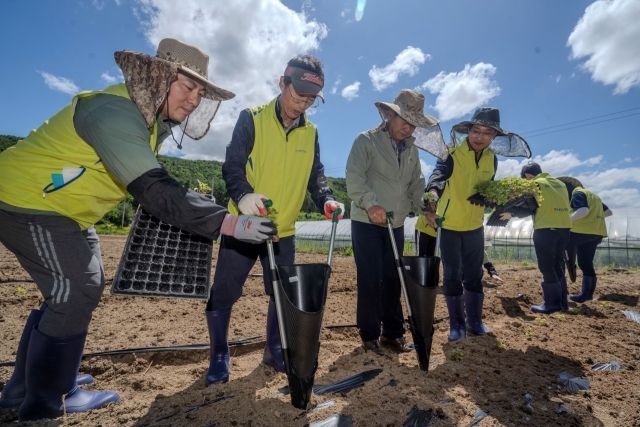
(384, 174)
(66, 175)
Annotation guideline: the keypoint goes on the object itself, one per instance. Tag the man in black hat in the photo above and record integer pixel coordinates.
(462, 239)
(273, 154)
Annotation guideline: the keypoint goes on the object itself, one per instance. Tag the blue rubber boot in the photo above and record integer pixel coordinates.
(15, 390)
(457, 328)
(473, 303)
(272, 355)
(219, 359)
(552, 299)
(588, 288)
(564, 302)
(51, 368)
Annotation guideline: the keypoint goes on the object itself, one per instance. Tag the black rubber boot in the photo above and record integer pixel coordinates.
(51, 368)
(220, 360)
(564, 302)
(552, 299)
(457, 328)
(588, 288)
(473, 303)
(272, 355)
(15, 390)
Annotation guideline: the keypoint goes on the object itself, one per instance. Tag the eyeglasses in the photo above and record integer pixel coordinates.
(487, 134)
(306, 101)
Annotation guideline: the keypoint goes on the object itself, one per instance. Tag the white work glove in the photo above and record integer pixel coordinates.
(251, 204)
(330, 206)
(248, 228)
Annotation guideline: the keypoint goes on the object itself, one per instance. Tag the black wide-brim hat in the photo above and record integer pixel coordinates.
(486, 116)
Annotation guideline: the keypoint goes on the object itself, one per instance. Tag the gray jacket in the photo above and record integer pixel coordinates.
(374, 177)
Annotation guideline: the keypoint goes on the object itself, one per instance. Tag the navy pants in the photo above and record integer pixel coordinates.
(379, 290)
(462, 253)
(550, 244)
(586, 245)
(425, 243)
(235, 261)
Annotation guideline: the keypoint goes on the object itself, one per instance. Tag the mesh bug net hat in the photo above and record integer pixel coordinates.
(505, 143)
(409, 105)
(148, 79)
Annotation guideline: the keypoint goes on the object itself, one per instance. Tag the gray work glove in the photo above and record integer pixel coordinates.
(248, 228)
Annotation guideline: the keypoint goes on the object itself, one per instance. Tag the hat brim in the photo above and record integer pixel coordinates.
(417, 119)
(212, 91)
(307, 88)
(463, 127)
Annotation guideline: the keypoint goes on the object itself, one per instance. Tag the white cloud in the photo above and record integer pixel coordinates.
(426, 168)
(607, 34)
(558, 78)
(247, 62)
(351, 91)
(462, 92)
(109, 79)
(334, 88)
(407, 62)
(556, 163)
(98, 4)
(617, 187)
(61, 84)
(118, 2)
(345, 12)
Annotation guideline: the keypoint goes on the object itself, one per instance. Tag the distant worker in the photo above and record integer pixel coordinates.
(66, 175)
(588, 228)
(551, 227)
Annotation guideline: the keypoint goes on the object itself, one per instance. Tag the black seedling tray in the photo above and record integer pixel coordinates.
(477, 199)
(160, 260)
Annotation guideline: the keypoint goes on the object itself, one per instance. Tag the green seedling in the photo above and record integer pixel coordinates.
(20, 290)
(541, 321)
(507, 189)
(605, 303)
(574, 310)
(526, 263)
(457, 354)
(561, 317)
(528, 332)
(500, 345)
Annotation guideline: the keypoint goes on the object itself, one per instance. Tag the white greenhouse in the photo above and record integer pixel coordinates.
(511, 243)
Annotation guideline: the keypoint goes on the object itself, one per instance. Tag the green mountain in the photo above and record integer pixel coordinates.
(189, 172)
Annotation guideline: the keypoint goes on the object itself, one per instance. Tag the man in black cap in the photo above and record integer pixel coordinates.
(470, 162)
(273, 154)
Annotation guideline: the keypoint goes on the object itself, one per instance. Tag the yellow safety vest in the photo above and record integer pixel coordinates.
(593, 223)
(461, 215)
(423, 226)
(554, 211)
(279, 165)
(26, 169)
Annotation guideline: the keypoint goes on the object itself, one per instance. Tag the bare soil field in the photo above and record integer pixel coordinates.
(524, 355)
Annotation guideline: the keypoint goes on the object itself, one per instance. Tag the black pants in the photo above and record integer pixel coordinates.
(235, 261)
(426, 244)
(378, 283)
(550, 244)
(586, 245)
(462, 254)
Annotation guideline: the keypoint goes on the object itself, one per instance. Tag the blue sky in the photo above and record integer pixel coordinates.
(548, 66)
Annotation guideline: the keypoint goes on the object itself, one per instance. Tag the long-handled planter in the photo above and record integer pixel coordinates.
(419, 277)
(300, 292)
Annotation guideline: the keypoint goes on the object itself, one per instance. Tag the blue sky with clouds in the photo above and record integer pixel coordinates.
(564, 74)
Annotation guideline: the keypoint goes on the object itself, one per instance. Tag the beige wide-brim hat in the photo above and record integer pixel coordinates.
(409, 105)
(148, 79)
